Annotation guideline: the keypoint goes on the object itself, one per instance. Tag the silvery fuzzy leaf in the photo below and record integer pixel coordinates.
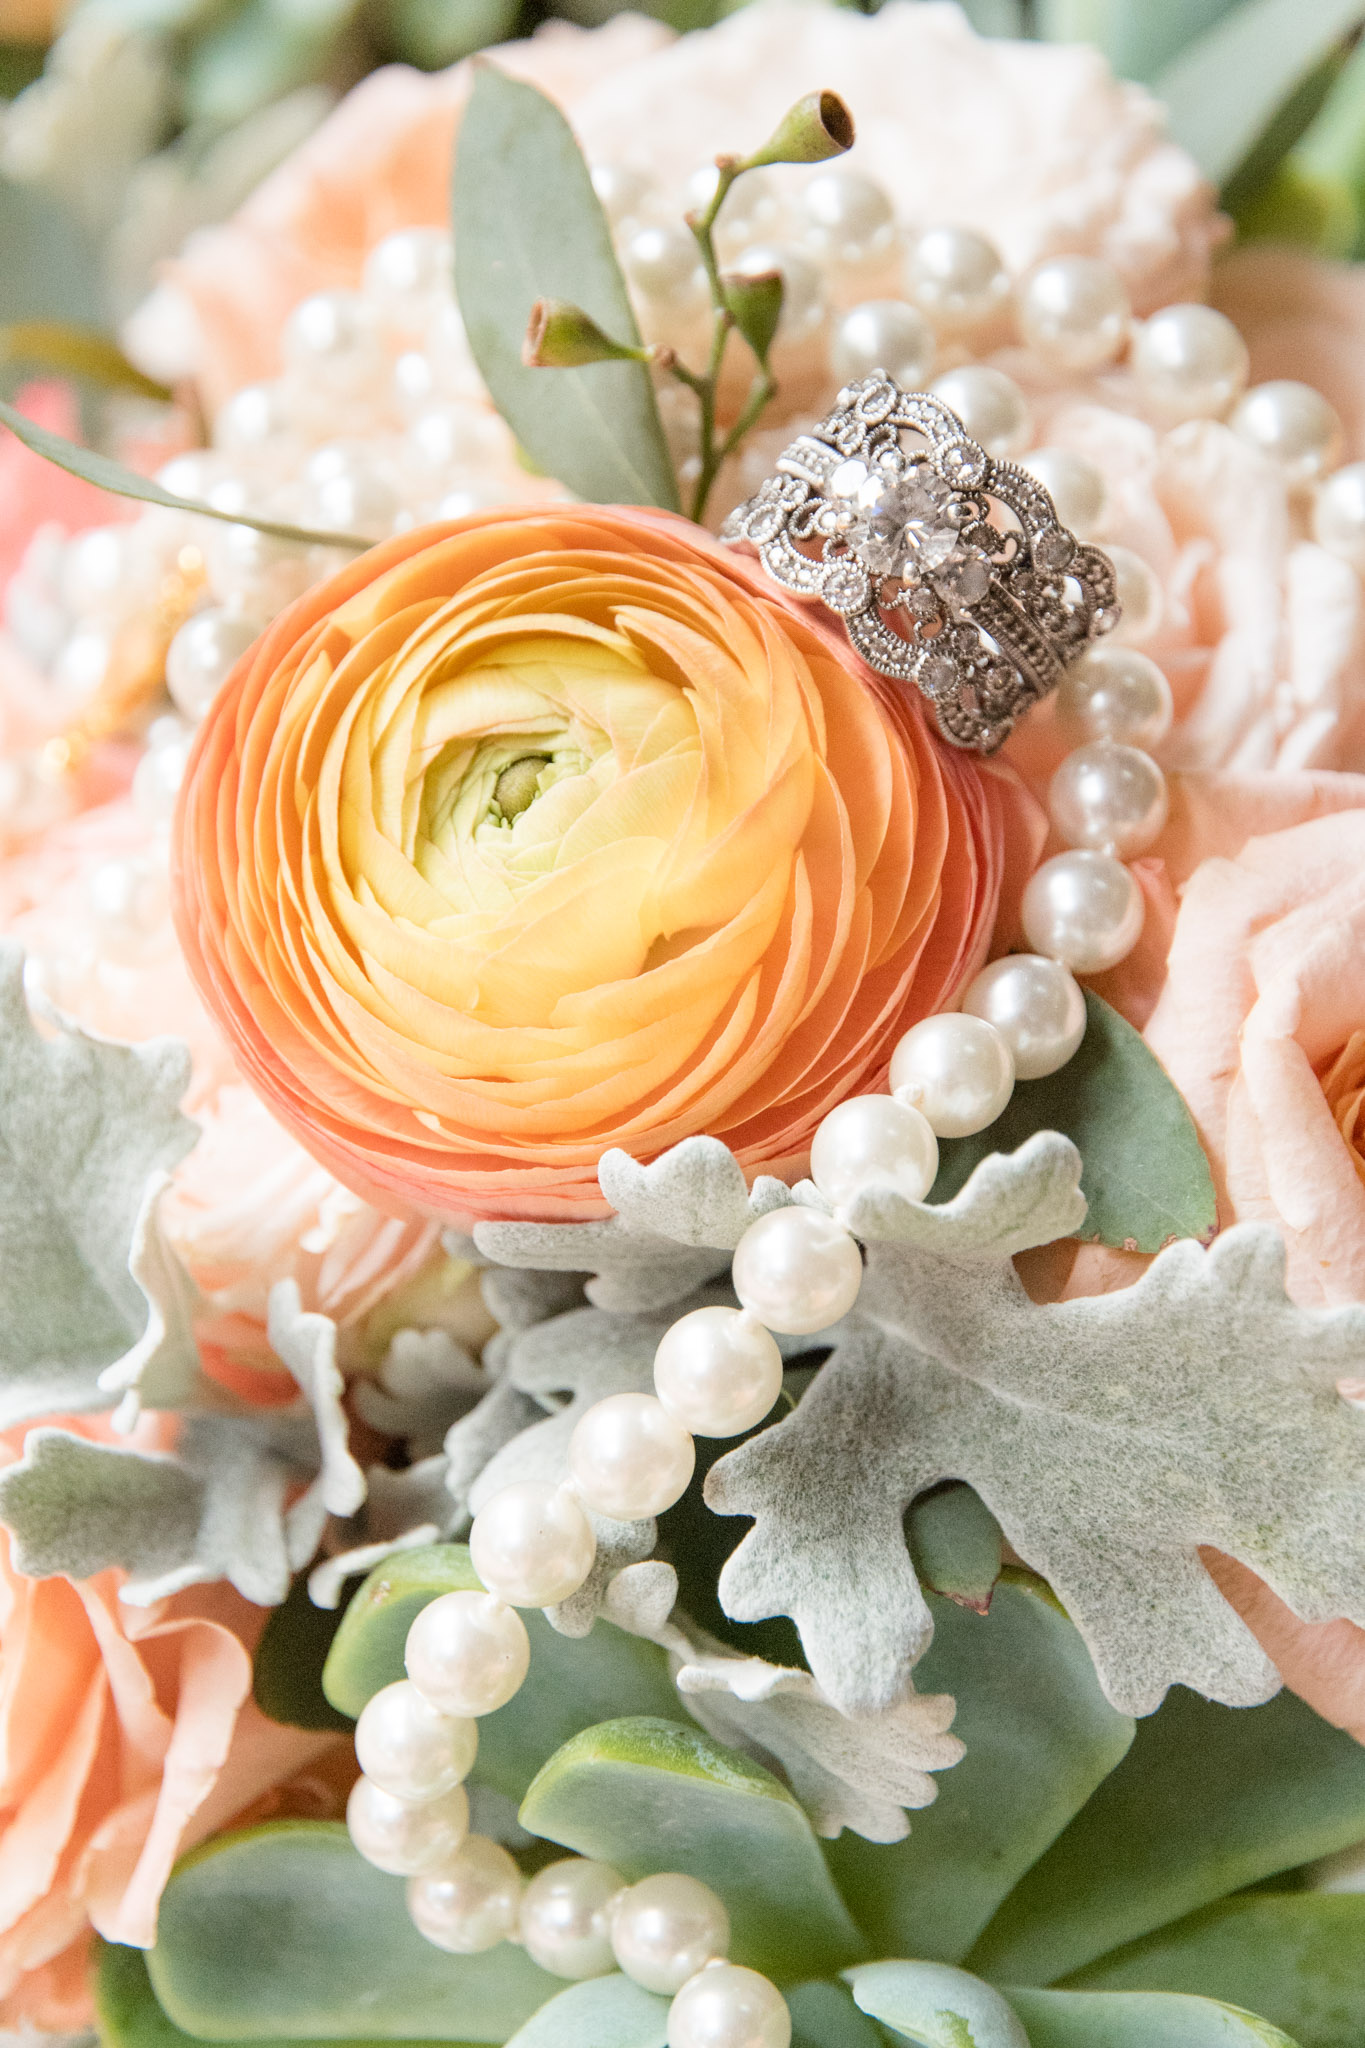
(566, 1365)
(162, 1368)
(516, 1297)
(859, 1774)
(327, 1581)
(307, 1343)
(1111, 1437)
(426, 1382)
(418, 1497)
(86, 1126)
(673, 1219)
(216, 1509)
(502, 1415)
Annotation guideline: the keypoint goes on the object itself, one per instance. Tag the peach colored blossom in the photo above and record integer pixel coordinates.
(1301, 316)
(126, 1734)
(1063, 158)
(741, 870)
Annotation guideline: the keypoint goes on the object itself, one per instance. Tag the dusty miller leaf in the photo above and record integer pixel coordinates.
(86, 1129)
(1110, 1437)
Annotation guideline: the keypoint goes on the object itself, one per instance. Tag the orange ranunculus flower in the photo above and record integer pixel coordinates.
(557, 830)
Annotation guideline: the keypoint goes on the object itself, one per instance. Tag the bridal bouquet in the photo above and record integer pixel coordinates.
(682, 1082)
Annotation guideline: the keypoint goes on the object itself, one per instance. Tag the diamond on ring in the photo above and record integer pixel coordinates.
(950, 570)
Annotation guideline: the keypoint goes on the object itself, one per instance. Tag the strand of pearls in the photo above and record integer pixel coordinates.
(466, 1655)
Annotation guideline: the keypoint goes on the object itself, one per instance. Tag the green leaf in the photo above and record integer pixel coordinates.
(609, 2012)
(75, 351)
(824, 2016)
(955, 1545)
(529, 226)
(936, 2005)
(1137, 36)
(48, 269)
(1104, 2019)
(434, 33)
(1144, 1174)
(574, 1681)
(289, 1661)
(1209, 1799)
(1296, 1957)
(88, 1131)
(128, 2015)
(260, 52)
(1224, 89)
(284, 1930)
(647, 1795)
(1040, 1737)
(113, 476)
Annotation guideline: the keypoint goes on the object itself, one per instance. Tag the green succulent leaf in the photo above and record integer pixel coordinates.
(1106, 2019)
(109, 475)
(289, 1661)
(574, 1681)
(646, 1794)
(128, 2015)
(529, 226)
(825, 2016)
(1209, 1799)
(1143, 1171)
(955, 1545)
(608, 2012)
(936, 2006)
(284, 1931)
(1225, 88)
(1294, 1956)
(1040, 1738)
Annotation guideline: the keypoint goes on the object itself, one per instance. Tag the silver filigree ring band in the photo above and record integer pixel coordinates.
(949, 569)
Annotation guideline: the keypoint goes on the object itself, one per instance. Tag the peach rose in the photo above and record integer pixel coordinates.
(126, 1734)
(541, 833)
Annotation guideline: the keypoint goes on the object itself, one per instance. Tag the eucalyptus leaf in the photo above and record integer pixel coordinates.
(1295, 1957)
(48, 270)
(1106, 2019)
(285, 1931)
(1209, 1799)
(1139, 37)
(1040, 1738)
(529, 226)
(937, 2006)
(646, 1795)
(574, 1681)
(607, 2012)
(110, 475)
(1143, 1171)
(1223, 90)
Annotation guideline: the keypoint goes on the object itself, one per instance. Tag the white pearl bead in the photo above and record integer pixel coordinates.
(1142, 602)
(468, 1653)
(956, 1070)
(727, 2006)
(1073, 312)
(330, 336)
(1083, 909)
(472, 1902)
(869, 1141)
(797, 1271)
(1115, 693)
(850, 218)
(1339, 514)
(718, 1371)
(130, 908)
(629, 1458)
(1037, 1007)
(413, 263)
(404, 1839)
(94, 569)
(348, 492)
(410, 1748)
(664, 266)
(803, 288)
(883, 334)
(955, 276)
(1109, 796)
(564, 1919)
(82, 665)
(532, 1544)
(160, 772)
(252, 417)
(1293, 424)
(203, 655)
(990, 406)
(665, 1928)
(454, 436)
(623, 192)
(1190, 363)
(252, 572)
(1075, 485)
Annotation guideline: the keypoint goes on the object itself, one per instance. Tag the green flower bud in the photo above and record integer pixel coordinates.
(561, 336)
(755, 306)
(816, 128)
